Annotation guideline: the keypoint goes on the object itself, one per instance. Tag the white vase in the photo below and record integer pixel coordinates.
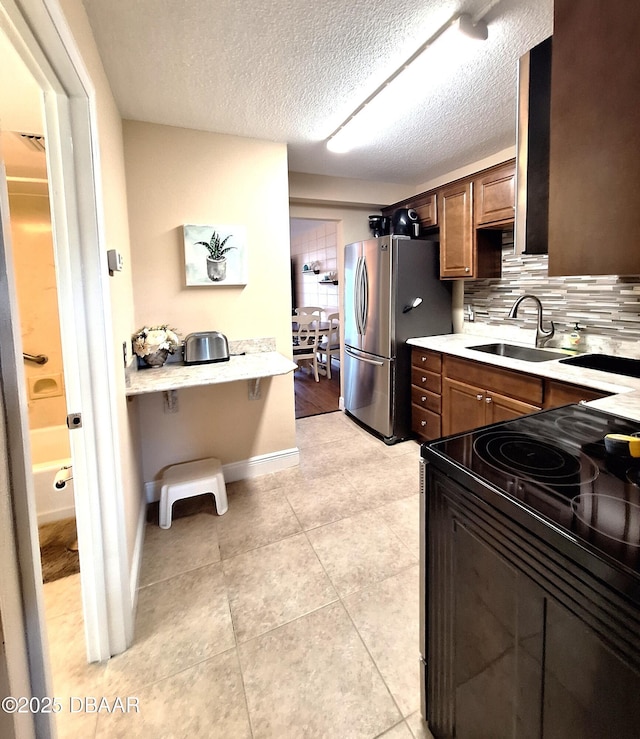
(156, 359)
(217, 269)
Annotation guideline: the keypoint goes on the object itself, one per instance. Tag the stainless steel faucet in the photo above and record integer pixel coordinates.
(542, 336)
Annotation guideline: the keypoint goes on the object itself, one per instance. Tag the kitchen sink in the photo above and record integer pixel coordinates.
(606, 363)
(528, 354)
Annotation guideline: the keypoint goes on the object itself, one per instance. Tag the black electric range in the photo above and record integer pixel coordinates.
(552, 468)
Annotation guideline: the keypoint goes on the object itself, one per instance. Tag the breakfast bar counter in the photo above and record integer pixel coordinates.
(176, 375)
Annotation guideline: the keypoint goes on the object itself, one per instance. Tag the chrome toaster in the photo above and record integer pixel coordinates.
(206, 346)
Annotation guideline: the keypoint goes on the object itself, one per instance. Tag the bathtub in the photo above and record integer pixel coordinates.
(49, 452)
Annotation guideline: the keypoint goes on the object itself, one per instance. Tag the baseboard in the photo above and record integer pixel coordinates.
(263, 464)
(136, 559)
(57, 515)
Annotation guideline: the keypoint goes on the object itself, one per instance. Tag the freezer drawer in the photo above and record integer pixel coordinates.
(368, 392)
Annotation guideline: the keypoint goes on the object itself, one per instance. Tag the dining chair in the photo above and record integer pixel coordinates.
(306, 337)
(330, 344)
(309, 310)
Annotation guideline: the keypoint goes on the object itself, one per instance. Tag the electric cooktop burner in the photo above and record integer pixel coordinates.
(577, 429)
(534, 459)
(606, 515)
(555, 463)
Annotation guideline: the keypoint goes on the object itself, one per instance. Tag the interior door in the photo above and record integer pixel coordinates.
(45, 45)
(21, 585)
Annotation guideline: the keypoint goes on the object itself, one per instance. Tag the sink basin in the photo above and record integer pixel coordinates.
(528, 354)
(607, 363)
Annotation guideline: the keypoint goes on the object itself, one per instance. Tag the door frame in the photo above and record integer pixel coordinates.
(39, 32)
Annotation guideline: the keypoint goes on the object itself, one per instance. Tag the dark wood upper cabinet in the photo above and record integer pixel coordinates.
(427, 210)
(470, 214)
(457, 256)
(494, 197)
(594, 179)
(534, 117)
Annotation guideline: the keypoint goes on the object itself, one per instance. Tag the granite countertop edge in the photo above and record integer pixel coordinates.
(177, 375)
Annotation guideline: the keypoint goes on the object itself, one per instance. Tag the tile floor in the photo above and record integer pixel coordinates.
(293, 615)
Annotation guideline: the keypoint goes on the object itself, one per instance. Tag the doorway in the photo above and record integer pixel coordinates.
(42, 41)
(314, 280)
(37, 294)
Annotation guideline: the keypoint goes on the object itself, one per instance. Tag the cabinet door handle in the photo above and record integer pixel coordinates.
(466, 269)
(423, 398)
(423, 379)
(479, 396)
(423, 423)
(424, 359)
(488, 400)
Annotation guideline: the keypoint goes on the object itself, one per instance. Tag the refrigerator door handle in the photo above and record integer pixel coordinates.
(357, 295)
(364, 359)
(365, 296)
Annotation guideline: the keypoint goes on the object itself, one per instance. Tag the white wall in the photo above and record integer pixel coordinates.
(321, 189)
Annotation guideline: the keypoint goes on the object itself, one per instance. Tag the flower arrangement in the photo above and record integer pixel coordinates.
(151, 339)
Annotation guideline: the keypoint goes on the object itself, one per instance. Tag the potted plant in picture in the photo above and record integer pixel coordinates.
(153, 344)
(217, 261)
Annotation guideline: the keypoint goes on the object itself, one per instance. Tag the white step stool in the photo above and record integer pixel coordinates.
(188, 479)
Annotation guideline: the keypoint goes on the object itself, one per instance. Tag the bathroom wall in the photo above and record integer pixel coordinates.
(38, 302)
(606, 306)
(317, 246)
(177, 176)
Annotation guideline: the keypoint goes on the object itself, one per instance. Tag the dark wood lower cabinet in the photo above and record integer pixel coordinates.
(517, 644)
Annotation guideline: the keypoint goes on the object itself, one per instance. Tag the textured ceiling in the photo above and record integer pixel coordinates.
(293, 70)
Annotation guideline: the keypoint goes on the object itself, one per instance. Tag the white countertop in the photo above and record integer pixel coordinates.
(625, 391)
(174, 375)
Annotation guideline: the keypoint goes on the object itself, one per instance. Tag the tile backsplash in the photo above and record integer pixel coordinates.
(607, 307)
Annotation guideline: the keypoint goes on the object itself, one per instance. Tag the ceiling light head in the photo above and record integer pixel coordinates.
(381, 108)
(337, 146)
(477, 30)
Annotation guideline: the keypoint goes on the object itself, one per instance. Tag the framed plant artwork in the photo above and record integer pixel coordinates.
(215, 255)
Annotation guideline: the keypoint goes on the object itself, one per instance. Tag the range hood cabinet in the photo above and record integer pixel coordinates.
(532, 144)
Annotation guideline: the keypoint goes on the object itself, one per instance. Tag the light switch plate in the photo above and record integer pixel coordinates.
(114, 261)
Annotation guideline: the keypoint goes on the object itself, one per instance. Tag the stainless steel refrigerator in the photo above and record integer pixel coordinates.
(392, 292)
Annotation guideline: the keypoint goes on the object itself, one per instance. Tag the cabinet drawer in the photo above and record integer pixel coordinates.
(426, 399)
(424, 379)
(506, 382)
(426, 359)
(425, 423)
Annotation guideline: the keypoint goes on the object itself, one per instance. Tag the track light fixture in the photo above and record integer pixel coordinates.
(340, 141)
